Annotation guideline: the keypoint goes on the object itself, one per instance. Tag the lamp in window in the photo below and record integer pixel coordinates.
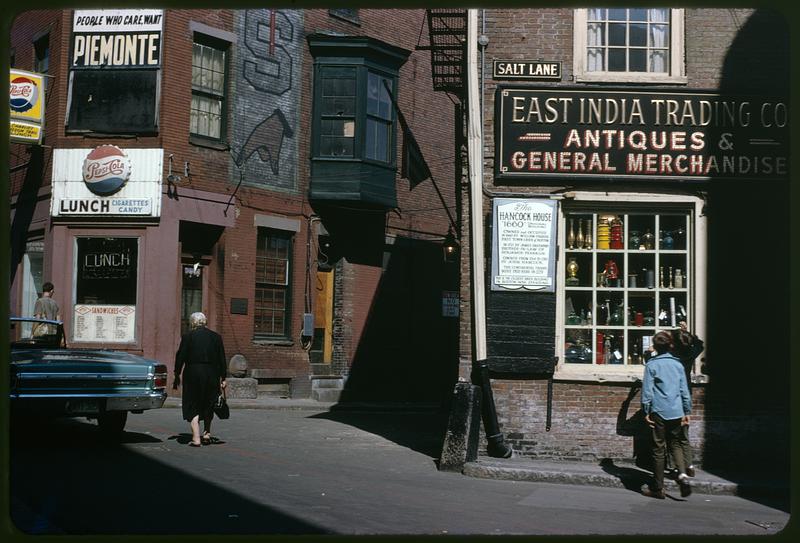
(450, 247)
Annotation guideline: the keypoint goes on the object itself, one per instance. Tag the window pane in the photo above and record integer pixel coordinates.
(377, 144)
(597, 14)
(637, 14)
(616, 60)
(659, 36)
(378, 101)
(616, 34)
(596, 34)
(617, 14)
(638, 35)
(658, 61)
(658, 15)
(595, 60)
(637, 60)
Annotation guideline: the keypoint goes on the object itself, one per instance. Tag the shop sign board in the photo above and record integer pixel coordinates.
(116, 38)
(523, 244)
(450, 303)
(104, 323)
(554, 133)
(26, 101)
(107, 181)
(533, 70)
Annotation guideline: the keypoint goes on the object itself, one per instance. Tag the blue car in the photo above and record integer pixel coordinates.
(50, 380)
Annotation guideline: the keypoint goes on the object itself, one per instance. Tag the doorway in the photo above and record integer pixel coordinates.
(191, 292)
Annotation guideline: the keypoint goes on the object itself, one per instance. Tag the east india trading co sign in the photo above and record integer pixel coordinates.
(580, 133)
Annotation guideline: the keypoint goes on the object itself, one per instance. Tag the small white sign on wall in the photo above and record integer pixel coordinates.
(523, 244)
(104, 323)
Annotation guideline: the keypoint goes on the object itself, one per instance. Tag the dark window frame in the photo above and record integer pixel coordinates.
(224, 46)
(263, 235)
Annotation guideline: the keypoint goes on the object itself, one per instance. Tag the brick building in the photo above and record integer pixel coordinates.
(251, 164)
(636, 174)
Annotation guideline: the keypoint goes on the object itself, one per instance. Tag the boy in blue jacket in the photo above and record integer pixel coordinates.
(667, 405)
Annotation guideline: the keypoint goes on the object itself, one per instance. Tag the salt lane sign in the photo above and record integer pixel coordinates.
(526, 69)
(557, 133)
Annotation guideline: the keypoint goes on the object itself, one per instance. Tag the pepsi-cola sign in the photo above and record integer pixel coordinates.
(24, 94)
(106, 169)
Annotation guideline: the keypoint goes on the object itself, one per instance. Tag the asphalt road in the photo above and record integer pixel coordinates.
(302, 472)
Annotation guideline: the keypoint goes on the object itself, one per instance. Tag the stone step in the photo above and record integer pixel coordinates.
(326, 394)
(318, 382)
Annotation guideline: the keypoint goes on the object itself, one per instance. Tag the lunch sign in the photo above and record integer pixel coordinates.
(653, 134)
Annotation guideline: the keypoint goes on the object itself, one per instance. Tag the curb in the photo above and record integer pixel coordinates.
(593, 475)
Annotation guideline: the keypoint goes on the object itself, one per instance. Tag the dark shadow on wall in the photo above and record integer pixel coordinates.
(118, 491)
(25, 207)
(408, 351)
(748, 360)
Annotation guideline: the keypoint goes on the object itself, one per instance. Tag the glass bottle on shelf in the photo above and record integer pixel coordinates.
(648, 240)
(587, 235)
(579, 236)
(634, 240)
(667, 241)
(571, 235)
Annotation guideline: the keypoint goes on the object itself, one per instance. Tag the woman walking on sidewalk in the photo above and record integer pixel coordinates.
(201, 358)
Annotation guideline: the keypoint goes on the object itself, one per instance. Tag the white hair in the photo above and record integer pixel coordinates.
(198, 319)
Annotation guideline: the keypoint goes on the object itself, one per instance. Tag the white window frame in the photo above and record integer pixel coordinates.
(676, 74)
(625, 373)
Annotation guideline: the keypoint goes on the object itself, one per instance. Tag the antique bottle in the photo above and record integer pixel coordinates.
(648, 240)
(579, 236)
(571, 235)
(678, 278)
(587, 235)
(666, 240)
(634, 239)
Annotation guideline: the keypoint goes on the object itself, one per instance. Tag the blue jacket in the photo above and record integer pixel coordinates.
(664, 388)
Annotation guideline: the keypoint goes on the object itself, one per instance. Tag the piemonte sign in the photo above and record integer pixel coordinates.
(557, 132)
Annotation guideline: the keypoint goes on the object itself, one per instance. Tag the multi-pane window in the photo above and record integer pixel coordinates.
(209, 64)
(338, 111)
(628, 40)
(272, 296)
(356, 116)
(379, 118)
(629, 44)
(627, 275)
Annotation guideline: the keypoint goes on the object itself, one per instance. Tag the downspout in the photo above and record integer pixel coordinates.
(496, 447)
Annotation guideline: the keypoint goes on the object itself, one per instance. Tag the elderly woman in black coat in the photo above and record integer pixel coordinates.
(201, 358)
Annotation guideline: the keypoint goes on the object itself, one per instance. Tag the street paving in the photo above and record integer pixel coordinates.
(314, 473)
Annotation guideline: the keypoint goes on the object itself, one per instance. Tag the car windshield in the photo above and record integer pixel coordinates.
(37, 333)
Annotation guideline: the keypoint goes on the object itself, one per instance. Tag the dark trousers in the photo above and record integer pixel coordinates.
(666, 433)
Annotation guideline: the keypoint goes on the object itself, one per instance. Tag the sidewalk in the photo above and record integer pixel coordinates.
(604, 474)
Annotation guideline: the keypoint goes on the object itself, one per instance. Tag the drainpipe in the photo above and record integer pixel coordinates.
(495, 444)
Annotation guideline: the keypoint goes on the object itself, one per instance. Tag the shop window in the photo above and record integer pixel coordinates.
(32, 278)
(209, 83)
(629, 45)
(273, 292)
(628, 272)
(105, 289)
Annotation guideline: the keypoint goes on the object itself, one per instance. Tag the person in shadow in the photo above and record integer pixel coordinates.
(667, 406)
(201, 359)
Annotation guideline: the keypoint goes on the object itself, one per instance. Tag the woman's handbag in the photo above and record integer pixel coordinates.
(221, 409)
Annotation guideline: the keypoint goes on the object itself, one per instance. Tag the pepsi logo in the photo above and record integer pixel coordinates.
(24, 94)
(106, 169)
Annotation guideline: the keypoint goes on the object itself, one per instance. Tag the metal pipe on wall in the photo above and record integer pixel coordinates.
(496, 447)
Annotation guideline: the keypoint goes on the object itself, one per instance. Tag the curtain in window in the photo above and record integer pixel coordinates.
(659, 39)
(595, 54)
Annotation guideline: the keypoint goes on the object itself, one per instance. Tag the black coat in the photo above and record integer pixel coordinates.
(201, 346)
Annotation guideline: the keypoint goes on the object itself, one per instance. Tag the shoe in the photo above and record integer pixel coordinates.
(657, 494)
(686, 488)
(206, 439)
(690, 471)
(193, 444)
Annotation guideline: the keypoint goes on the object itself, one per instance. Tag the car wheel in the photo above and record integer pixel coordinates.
(111, 423)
